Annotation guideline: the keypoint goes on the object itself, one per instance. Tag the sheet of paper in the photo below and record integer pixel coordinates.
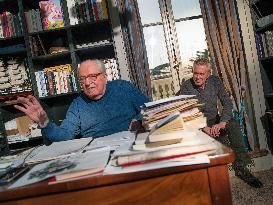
(57, 150)
(156, 165)
(199, 139)
(157, 102)
(114, 141)
(80, 161)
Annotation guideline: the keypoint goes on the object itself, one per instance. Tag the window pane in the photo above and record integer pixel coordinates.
(149, 11)
(192, 41)
(185, 8)
(155, 45)
(158, 62)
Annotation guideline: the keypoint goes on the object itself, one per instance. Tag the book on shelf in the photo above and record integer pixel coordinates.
(42, 45)
(36, 46)
(51, 14)
(55, 80)
(10, 25)
(84, 11)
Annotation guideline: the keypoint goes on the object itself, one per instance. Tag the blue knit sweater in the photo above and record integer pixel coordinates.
(110, 114)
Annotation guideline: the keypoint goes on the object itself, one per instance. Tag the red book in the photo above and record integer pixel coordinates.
(6, 27)
(95, 9)
(75, 175)
(164, 158)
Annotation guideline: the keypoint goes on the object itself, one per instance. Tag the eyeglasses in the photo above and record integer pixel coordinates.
(90, 77)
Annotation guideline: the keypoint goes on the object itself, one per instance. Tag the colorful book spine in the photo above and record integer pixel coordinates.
(90, 8)
(104, 9)
(71, 6)
(95, 10)
(6, 28)
(269, 41)
(2, 26)
(260, 48)
(10, 24)
(100, 12)
(57, 82)
(50, 83)
(87, 11)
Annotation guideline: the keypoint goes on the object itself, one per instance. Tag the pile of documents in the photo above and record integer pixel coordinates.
(69, 160)
(187, 105)
(169, 121)
(191, 150)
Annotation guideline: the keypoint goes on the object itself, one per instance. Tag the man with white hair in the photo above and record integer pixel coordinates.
(208, 89)
(103, 108)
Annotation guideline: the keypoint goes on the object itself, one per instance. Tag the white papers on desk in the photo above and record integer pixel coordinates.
(114, 141)
(201, 159)
(81, 161)
(57, 150)
(200, 139)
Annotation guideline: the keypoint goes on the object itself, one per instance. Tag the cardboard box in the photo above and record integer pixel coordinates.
(23, 124)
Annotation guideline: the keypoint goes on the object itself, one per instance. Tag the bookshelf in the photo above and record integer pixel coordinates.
(263, 24)
(262, 14)
(86, 29)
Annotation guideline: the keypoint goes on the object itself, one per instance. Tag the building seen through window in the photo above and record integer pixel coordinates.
(174, 37)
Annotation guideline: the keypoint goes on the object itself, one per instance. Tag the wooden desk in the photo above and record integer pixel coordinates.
(193, 184)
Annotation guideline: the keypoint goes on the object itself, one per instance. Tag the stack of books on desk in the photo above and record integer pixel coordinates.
(155, 111)
(192, 150)
(169, 121)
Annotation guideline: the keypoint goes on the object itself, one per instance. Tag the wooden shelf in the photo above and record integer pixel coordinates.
(265, 28)
(266, 59)
(51, 56)
(97, 51)
(12, 38)
(59, 95)
(269, 95)
(14, 52)
(88, 24)
(62, 29)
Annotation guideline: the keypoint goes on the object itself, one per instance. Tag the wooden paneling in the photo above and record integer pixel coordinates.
(183, 188)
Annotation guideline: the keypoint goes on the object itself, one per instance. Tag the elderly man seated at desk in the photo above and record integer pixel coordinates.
(103, 108)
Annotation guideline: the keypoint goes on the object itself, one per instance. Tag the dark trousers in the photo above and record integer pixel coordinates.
(232, 137)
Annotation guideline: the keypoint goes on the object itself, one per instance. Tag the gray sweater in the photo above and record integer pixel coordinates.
(214, 89)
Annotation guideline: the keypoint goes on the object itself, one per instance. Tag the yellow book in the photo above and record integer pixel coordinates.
(104, 9)
(173, 122)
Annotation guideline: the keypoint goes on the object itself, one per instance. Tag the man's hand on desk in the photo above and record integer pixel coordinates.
(214, 131)
(32, 108)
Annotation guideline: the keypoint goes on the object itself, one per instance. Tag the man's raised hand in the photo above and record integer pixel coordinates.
(32, 108)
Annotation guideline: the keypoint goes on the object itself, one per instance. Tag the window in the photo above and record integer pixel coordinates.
(174, 36)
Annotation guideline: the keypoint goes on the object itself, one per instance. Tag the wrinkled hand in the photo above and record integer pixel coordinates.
(214, 131)
(32, 108)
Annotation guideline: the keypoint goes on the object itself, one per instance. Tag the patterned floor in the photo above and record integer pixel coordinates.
(244, 194)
